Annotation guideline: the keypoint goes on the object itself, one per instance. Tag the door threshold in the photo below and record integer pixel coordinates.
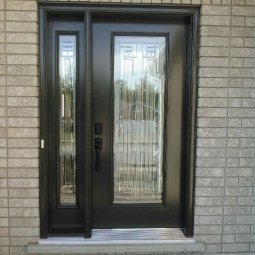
(125, 236)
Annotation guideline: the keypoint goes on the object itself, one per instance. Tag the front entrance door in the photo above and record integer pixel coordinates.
(138, 81)
(117, 119)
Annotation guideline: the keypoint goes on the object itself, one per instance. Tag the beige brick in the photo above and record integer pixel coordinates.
(2, 37)
(2, 122)
(3, 163)
(236, 62)
(22, 112)
(3, 142)
(238, 2)
(2, 59)
(243, 10)
(22, 49)
(23, 101)
(2, 114)
(21, 5)
(243, 31)
(242, 72)
(24, 192)
(215, 31)
(24, 153)
(22, 91)
(2, 70)
(21, 250)
(23, 183)
(215, 10)
(3, 191)
(216, 2)
(4, 232)
(23, 172)
(23, 132)
(226, 2)
(23, 142)
(213, 62)
(22, 80)
(23, 162)
(212, 112)
(235, 82)
(215, 20)
(214, 52)
(21, 15)
(2, 100)
(2, 80)
(250, 2)
(250, 21)
(18, 241)
(3, 153)
(2, 48)
(249, 42)
(14, 26)
(237, 21)
(22, 60)
(21, 38)
(213, 82)
(210, 152)
(24, 212)
(4, 202)
(234, 102)
(23, 202)
(23, 122)
(22, 69)
(4, 250)
(24, 231)
(3, 174)
(213, 92)
(196, 1)
(3, 212)
(249, 62)
(4, 222)
(212, 102)
(216, 72)
(214, 41)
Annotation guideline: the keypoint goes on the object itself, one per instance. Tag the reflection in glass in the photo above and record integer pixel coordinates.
(139, 88)
(67, 152)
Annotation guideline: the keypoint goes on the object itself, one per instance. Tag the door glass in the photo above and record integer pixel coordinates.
(139, 91)
(67, 135)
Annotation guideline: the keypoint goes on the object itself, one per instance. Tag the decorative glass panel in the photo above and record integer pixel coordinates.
(67, 135)
(139, 90)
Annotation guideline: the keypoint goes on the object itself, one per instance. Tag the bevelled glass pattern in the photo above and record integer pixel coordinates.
(139, 88)
(67, 135)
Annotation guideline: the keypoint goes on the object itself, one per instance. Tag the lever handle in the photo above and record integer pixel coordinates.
(98, 147)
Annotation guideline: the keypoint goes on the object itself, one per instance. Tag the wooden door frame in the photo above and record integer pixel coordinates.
(188, 13)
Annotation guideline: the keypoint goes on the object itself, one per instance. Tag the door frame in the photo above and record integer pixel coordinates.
(188, 13)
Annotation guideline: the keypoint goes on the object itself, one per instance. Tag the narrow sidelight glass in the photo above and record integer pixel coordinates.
(139, 92)
(67, 109)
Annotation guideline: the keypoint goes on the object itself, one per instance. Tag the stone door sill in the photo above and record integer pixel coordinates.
(117, 241)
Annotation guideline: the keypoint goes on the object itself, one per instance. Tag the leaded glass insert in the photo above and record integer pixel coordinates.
(67, 134)
(139, 91)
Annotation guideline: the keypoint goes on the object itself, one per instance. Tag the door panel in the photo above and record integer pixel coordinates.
(164, 210)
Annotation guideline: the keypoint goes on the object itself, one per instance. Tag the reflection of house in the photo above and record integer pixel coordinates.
(139, 109)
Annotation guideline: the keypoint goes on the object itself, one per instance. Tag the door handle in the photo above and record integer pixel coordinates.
(98, 148)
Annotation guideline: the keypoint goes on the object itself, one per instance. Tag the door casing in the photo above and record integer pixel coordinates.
(87, 11)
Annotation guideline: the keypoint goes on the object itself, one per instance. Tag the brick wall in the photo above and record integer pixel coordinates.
(225, 180)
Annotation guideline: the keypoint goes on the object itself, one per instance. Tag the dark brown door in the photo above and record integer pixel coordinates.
(138, 80)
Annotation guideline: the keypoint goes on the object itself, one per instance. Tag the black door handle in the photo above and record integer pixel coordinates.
(98, 147)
